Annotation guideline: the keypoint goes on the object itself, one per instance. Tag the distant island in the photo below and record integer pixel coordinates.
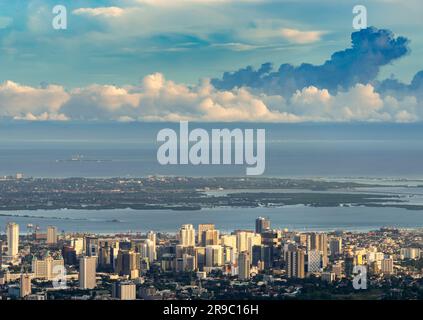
(187, 193)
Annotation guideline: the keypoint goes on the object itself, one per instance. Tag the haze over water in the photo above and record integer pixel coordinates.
(293, 150)
(129, 149)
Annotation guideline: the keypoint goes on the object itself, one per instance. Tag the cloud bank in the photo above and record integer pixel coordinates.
(344, 88)
(158, 99)
(371, 49)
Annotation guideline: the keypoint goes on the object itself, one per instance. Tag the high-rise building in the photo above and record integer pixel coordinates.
(12, 239)
(335, 246)
(188, 262)
(128, 263)
(214, 256)
(410, 253)
(230, 255)
(151, 235)
(246, 240)
(262, 256)
(151, 253)
(69, 255)
(200, 257)
(244, 265)
(87, 272)
(302, 239)
(210, 238)
(47, 268)
(106, 257)
(319, 241)
(295, 264)
(228, 240)
(187, 235)
(25, 285)
(253, 240)
(91, 246)
(202, 228)
(147, 249)
(349, 265)
(78, 245)
(388, 266)
(262, 225)
(314, 261)
(124, 290)
(51, 235)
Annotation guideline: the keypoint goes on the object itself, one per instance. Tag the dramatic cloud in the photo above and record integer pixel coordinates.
(342, 89)
(371, 49)
(158, 99)
(396, 88)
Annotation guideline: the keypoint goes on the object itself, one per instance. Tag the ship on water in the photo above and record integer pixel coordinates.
(81, 158)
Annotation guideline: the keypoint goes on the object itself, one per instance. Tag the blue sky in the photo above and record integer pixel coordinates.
(185, 41)
(116, 51)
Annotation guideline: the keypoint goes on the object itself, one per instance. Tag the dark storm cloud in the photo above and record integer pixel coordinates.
(371, 49)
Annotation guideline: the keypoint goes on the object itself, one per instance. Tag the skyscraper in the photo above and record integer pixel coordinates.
(319, 241)
(262, 224)
(187, 235)
(202, 228)
(25, 285)
(128, 263)
(244, 241)
(151, 235)
(214, 256)
(244, 266)
(262, 256)
(210, 238)
(228, 240)
(87, 272)
(335, 246)
(295, 263)
(147, 249)
(314, 261)
(91, 246)
(69, 255)
(12, 239)
(78, 245)
(51, 235)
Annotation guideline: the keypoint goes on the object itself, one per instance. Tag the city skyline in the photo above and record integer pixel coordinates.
(121, 266)
(200, 152)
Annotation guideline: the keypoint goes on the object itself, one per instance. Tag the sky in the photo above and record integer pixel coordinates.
(211, 60)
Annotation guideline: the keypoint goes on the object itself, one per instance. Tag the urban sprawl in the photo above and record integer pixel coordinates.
(202, 263)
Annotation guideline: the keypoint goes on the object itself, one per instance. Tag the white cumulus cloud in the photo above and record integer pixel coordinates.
(157, 99)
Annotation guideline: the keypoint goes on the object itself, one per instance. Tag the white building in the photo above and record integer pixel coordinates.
(87, 272)
(47, 268)
(314, 261)
(187, 235)
(12, 239)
